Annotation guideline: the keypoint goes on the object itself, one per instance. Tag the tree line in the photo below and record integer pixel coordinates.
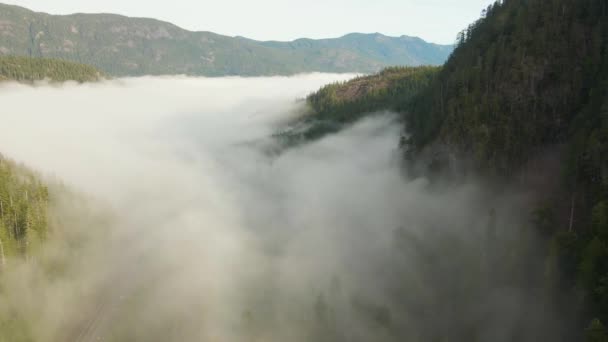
(340, 104)
(26, 69)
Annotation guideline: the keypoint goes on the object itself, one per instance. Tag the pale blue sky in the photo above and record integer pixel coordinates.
(434, 20)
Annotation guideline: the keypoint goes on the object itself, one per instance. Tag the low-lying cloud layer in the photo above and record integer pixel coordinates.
(209, 238)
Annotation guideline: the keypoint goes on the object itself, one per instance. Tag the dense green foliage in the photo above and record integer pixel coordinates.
(24, 223)
(23, 210)
(25, 69)
(517, 79)
(390, 89)
(531, 76)
(339, 104)
(122, 46)
(529, 79)
(42, 242)
(528, 76)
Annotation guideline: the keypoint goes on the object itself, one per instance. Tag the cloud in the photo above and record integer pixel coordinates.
(201, 236)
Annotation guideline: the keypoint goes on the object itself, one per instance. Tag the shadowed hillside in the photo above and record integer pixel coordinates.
(524, 99)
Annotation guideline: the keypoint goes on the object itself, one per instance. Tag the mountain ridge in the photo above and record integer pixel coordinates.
(130, 46)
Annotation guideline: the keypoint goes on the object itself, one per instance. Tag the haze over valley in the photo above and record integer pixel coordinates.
(209, 236)
(158, 184)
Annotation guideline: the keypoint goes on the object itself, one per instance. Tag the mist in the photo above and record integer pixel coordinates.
(178, 224)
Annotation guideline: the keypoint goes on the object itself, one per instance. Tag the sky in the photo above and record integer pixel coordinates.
(436, 21)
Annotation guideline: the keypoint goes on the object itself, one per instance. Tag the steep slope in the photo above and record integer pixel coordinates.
(337, 105)
(134, 46)
(391, 88)
(518, 80)
(524, 99)
(528, 80)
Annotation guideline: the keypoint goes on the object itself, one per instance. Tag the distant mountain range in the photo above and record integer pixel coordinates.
(123, 46)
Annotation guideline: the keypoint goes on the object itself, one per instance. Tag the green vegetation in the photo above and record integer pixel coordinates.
(390, 89)
(517, 80)
(339, 104)
(26, 69)
(24, 202)
(530, 76)
(42, 243)
(122, 46)
(23, 211)
(23, 227)
(527, 80)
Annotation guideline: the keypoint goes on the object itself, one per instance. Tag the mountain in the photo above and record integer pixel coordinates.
(524, 99)
(402, 50)
(338, 105)
(26, 69)
(525, 96)
(123, 46)
(391, 87)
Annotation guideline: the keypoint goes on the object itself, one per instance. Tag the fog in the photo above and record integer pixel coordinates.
(180, 226)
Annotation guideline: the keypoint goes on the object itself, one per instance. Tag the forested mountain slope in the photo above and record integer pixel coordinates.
(391, 88)
(340, 104)
(527, 75)
(532, 77)
(123, 46)
(524, 97)
(25, 69)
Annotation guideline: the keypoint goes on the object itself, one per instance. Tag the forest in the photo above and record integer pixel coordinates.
(24, 198)
(26, 69)
(523, 100)
(391, 88)
(26, 218)
(527, 78)
(338, 105)
(524, 97)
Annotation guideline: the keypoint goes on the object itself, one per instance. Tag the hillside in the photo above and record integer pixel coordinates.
(524, 99)
(123, 46)
(528, 81)
(340, 104)
(518, 79)
(391, 88)
(25, 69)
